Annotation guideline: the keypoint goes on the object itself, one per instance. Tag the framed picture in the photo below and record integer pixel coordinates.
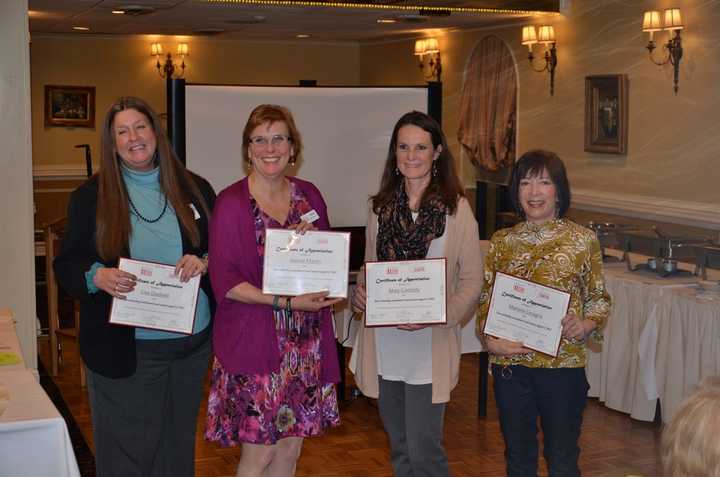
(606, 114)
(70, 106)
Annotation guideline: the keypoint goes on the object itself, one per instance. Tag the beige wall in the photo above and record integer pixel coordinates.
(674, 141)
(17, 288)
(123, 66)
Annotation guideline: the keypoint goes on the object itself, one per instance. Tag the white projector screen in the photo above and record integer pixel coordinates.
(345, 130)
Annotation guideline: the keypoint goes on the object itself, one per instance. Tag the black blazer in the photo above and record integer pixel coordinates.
(108, 349)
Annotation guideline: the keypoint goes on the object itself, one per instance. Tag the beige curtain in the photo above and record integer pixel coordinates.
(487, 107)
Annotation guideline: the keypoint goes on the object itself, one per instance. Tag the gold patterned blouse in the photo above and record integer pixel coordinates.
(560, 254)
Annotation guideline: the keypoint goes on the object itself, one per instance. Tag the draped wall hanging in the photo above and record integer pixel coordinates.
(488, 110)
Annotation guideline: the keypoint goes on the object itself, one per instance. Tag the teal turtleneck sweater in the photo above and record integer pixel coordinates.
(159, 241)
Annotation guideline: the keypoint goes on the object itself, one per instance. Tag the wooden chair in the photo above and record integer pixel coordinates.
(53, 234)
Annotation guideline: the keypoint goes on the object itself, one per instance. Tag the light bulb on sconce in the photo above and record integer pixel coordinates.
(167, 69)
(674, 51)
(546, 35)
(431, 48)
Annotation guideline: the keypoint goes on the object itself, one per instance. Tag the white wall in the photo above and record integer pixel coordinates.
(17, 274)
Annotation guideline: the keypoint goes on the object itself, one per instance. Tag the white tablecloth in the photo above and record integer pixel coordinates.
(633, 369)
(34, 440)
(688, 344)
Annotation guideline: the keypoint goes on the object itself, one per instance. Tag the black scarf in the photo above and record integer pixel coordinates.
(401, 238)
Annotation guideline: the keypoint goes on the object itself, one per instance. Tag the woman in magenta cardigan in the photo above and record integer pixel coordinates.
(276, 362)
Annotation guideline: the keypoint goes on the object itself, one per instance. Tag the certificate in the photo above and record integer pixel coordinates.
(527, 312)
(295, 264)
(159, 301)
(407, 292)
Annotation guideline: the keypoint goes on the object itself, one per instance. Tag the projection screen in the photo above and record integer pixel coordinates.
(346, 132)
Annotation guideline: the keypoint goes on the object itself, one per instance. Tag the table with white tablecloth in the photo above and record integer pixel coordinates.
(688, 344)
(652, 343)
(34, 439)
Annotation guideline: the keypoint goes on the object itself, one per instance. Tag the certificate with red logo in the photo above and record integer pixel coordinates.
(294, 264)
(406, 292)
(527, 312)
(160, 301)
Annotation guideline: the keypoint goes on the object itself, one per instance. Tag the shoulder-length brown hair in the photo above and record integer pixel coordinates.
(532, 164)
(113, 214)
(272, 113)
(445, 185)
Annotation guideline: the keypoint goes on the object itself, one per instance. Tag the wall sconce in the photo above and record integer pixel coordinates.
(168, 69)
(545, 35)
(673, 24)
(431, 48)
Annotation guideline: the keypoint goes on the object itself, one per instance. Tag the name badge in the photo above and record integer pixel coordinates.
(196, 214)
(310, 217)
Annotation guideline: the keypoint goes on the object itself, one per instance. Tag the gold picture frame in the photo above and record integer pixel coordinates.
(606, 114)
(70, 106)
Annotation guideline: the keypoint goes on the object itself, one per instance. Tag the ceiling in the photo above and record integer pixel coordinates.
(238, 19)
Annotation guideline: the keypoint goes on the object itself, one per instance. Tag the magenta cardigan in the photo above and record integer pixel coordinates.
(244, 337)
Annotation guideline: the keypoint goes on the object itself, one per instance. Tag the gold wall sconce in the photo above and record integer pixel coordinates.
(545, 35)
(429, 47)
(167, 69)
(673, 48)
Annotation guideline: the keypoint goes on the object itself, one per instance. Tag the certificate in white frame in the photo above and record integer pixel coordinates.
(315, 261)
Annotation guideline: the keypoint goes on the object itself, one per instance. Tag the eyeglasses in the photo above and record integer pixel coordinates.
(277, 140)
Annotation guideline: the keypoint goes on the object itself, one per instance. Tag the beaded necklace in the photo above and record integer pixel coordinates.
(141, 217)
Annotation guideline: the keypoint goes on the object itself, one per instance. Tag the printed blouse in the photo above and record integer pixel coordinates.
(560, 254)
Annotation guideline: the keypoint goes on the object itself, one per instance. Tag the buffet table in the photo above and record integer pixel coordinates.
(34, 439)
(688, 344)
(660, 340)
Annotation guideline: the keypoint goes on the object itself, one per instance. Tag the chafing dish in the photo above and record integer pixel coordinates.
(609, 236)
(706, 256)
(664, 249)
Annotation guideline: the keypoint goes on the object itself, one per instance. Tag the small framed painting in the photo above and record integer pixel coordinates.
(70, 106)
(606, 114)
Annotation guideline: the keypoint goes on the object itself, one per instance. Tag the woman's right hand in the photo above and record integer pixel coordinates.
(358, 299)
(503, 347)
(114, 281)
(312, 302)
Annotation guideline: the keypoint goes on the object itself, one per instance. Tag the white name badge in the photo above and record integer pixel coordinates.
(527, 312)
(160, 301)
(406, 292)
(295, 264)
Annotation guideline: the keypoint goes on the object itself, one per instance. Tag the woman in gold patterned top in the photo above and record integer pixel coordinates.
(549, 249)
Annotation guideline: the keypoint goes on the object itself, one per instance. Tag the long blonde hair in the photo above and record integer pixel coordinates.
(113, 214)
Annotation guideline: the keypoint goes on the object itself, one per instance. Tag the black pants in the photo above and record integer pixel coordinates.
(558, 397)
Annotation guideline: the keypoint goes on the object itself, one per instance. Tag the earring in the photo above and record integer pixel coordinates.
(397, 171)
(434, 168)
(293, 160)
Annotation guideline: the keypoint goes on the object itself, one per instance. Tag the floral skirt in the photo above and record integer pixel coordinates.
(264, 408)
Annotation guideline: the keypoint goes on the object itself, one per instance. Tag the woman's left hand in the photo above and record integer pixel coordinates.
(190, 266)
(575, 328)
(302, 227)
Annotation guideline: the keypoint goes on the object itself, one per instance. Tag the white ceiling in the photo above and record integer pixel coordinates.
(262, 22)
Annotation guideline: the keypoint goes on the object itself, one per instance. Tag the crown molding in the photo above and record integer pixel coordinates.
(696, 214)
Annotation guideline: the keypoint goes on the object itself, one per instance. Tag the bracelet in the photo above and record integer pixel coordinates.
(288, 305)
(276, 303)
